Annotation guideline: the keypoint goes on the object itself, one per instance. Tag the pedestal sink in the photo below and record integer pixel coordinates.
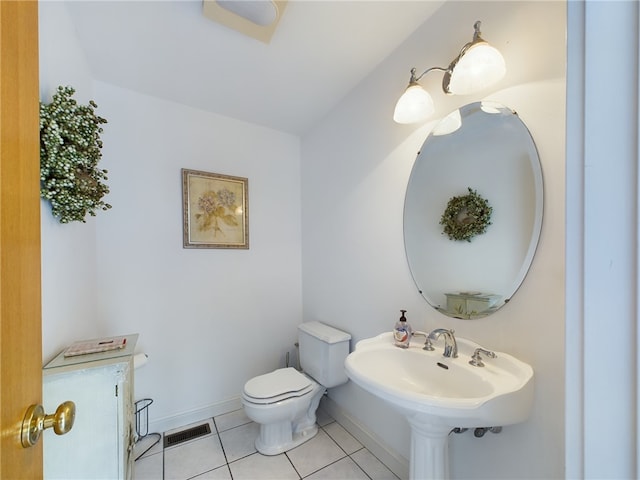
(437, 394)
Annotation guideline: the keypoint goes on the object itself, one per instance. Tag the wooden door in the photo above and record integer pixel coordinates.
(20, 302)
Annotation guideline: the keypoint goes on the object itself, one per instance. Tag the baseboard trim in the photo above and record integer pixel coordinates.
(164, 424)
(392, 459)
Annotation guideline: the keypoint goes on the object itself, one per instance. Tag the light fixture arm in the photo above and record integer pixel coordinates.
(414, 80)
(476, 30)
(476, 39)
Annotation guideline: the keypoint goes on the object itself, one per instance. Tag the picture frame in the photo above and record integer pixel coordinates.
(215, 210)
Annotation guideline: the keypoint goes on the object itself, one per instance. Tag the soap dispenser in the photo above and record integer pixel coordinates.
(402, 331)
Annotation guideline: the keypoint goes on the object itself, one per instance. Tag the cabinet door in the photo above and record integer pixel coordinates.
(93, 449)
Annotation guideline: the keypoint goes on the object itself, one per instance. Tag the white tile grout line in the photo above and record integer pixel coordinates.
(227, 463)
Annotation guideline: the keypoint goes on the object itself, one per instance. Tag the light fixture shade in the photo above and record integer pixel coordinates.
(479, 67)
(415, 105)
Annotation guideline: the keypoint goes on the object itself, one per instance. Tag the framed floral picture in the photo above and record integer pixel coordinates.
(215, 210)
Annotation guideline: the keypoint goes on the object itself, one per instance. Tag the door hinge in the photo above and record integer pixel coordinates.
(116, 390)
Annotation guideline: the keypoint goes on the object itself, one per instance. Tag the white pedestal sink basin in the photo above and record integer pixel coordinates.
(437, 394)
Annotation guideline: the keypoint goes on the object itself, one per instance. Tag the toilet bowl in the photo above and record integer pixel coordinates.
(284, 402)
(286, 419)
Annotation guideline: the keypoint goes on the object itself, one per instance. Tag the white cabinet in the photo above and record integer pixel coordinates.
(100, 444)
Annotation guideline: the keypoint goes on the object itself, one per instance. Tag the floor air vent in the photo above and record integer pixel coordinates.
(185, 435)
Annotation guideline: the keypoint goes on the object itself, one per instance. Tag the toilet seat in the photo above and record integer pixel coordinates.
(277, 386)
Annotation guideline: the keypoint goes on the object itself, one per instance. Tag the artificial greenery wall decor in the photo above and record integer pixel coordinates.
(69, 154)
(466, 216)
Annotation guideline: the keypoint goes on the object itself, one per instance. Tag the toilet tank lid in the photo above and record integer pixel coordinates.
(324, 332)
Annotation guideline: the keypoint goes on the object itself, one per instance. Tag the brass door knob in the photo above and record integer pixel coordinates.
(36, 421)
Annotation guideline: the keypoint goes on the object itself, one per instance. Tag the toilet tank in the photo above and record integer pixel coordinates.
(323, 350)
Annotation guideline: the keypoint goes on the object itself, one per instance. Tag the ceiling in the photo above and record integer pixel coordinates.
(320, 51)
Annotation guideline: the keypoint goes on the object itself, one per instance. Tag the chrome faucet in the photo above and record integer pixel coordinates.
(450, 345)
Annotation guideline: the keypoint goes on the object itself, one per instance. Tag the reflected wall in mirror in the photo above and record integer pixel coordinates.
(483, 147)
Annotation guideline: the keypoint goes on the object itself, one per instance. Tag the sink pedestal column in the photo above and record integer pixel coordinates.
(429, 450)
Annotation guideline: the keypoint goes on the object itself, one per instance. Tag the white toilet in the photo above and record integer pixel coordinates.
(284, 402)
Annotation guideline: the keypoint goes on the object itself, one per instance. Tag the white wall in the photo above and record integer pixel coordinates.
(68, 251)
(356, 164)
(208, 319)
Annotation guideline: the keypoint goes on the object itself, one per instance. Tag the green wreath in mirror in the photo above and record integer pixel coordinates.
(69, 154)
(466, 216)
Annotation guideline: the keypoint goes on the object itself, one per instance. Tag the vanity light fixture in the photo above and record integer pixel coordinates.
(477, 66)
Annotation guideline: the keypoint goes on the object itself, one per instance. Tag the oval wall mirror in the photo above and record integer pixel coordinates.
(473, 210)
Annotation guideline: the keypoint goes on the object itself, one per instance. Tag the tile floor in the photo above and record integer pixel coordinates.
(229, 453)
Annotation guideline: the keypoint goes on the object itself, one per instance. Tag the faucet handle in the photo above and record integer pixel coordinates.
(427, 343)
(428, 346)
(476, 359)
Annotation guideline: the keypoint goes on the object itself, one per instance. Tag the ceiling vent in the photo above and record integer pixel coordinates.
(255, 18)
